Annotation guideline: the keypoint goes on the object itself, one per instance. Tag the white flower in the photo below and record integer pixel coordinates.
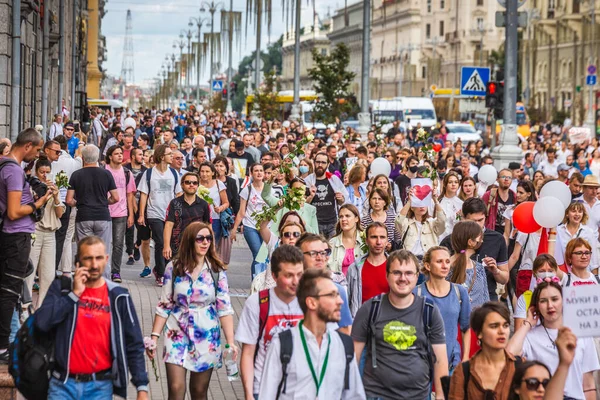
(310, 137)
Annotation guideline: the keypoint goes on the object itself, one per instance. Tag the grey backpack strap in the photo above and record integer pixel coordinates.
(285, 355)
(373, 315)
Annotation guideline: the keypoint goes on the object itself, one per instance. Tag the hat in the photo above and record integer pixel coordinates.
(563, 167)
(69, 125)
(514, 165)
(591, 181)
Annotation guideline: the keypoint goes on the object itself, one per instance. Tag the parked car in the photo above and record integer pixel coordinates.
(465, 132)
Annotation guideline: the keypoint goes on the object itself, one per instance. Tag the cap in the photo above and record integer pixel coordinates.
(69, 125)
(514, 165)
(563, 167)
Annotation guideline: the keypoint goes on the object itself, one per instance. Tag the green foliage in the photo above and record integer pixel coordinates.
(266, 97)
(331, 80)
(559, 116)
(218, 103)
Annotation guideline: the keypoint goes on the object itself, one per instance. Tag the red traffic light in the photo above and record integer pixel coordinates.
(491, 88)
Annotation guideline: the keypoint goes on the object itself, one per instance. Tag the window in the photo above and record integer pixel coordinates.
(480, 2)
(323, 52)
(424, 72)
(441, 28)
(442, 4)
(428, 31)
(428, 6)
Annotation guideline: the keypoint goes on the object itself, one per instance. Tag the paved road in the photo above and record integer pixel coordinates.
(145, 294)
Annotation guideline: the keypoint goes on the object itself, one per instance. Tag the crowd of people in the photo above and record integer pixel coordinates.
(357, 292)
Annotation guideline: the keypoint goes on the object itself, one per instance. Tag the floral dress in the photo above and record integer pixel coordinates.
(193, 330)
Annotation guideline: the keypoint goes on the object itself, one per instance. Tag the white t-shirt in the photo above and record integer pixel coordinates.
(537, 346)
(577, 281)
(549, 169)
(417, 249)
(451, 206)
(255, 203)
(530, 251)
(215, 194)
(521, 310)
(163, 191)
(563, 237)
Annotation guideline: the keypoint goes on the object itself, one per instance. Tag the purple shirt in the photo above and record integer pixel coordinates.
(12, 179)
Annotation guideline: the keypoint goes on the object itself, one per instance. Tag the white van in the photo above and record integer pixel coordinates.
(411, 110)
(106, 104)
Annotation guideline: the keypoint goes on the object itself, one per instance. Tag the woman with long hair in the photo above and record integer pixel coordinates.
(575, 226)
(392, 157)
(538, 180)
(193, 308)
(450, 202)
(492, 368)
(537, 341)
(357, 194)
(305, 168)
(379, 202)
(251, 201)
(530, 381)
(467, 237)
(347, 243)
(468, 188)
(450, 298)
(381, 181)
(218, 193)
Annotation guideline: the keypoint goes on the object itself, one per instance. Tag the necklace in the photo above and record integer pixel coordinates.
(549, 338)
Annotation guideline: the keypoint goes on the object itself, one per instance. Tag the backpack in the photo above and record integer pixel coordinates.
(569, 279)
(31, 355)
(427, 313)
(287, 349)
(263, 314)
(175, 176)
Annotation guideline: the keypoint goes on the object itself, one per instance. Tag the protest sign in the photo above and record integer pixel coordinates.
(422, 192)
(581, 310)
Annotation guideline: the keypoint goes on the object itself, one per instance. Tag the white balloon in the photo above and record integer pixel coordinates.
(559, 190)
(548, 212)
(381, 166)
(487, 174)
(129, 122)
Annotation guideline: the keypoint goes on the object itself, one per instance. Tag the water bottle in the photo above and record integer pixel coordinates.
(230, 364)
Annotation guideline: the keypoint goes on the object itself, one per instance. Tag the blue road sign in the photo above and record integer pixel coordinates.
(473, 80)
(217, 85)
(590, 80)
(591, 69)
(182, 106)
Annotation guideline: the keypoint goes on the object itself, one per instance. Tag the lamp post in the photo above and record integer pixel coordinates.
(199, 22)
(212, 8)
(181, 45)
(589, 117)
(295, 115)
(364, 117)
(187, 34)
(533, 14)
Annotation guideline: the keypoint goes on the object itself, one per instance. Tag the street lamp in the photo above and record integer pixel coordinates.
(295, 115)
(364, 117)
(199, 22)
(187, 34)
(212, 8)
(181, 45)
(533, 14)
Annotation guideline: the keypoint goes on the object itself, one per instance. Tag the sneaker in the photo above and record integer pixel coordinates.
(116, 278)
(136, 253)
(159, 281)
(36, 287)
(130, 261)
(146, 272)
(4, 357)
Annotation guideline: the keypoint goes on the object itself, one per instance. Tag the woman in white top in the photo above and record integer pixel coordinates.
(450, 202)
(575, 226)
(577, 257)
(251, 202)
(218, 194)
(538, 342)
(346, 244)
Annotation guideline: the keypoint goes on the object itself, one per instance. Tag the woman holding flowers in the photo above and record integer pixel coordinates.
(217, 192)
(193, 308)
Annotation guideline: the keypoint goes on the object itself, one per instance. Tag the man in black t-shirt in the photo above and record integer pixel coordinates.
(242, 160)
(325, 197)
(91, 190)
(403, 180)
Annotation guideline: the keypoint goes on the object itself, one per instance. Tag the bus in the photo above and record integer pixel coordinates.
(106, 104)
(285, 99)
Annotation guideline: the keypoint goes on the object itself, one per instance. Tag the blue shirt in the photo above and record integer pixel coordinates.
(346, 317)
(455, 311)
(72, 145)
(180, 131)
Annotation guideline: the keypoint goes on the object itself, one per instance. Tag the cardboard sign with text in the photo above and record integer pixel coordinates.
(581, 310)
(422, 192)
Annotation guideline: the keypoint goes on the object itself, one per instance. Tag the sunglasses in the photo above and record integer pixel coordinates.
(57, 152)
(534, 383)
(201, 238)
(186, 182)
(288, 235)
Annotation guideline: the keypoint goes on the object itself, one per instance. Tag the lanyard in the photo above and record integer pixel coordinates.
(310, 365)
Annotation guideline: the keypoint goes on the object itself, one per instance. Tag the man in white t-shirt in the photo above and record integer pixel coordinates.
(158, 186)
(549, 166)
(267, 313)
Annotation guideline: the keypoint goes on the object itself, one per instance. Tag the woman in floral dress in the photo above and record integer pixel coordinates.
(193, 308)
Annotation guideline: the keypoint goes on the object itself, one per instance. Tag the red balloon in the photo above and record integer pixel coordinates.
(523, 218)
(437, 147)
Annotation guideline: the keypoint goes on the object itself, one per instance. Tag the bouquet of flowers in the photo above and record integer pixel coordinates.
(430, 149)
(293, 199)
(62, 180)
(204, 194)
(149, 344)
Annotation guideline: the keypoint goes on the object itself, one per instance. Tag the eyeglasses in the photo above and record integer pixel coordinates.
(314, 254)
(186, 182)
(178, 158)
(291, 234)
(582, 253)
(201, 238)
(534, 383)
(506, 177)
(333, 295)
(406, 274)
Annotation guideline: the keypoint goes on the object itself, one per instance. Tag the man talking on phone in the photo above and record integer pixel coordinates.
(98, 336)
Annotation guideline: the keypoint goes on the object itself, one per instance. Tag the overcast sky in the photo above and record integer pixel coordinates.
(157, 24)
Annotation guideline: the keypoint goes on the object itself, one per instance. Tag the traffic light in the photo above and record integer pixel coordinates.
(224, 92)
(494, 96)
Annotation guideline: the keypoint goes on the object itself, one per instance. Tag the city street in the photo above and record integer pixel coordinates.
(145, 293)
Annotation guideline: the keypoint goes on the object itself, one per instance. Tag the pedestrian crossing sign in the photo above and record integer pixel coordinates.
(217, 86)
(473, 80)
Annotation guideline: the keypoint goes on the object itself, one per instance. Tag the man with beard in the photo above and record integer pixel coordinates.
(18, 206)
(497, 199)
(96, 322)
(329, 195)
(320, 302)
(403, 330)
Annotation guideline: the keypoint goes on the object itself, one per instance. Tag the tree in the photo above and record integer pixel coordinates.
(331, 80)
(266, 97)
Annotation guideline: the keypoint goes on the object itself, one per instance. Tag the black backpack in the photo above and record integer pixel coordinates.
(31, 355)
(287, 348)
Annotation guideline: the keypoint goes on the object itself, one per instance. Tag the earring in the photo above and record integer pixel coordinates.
(479, 342)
